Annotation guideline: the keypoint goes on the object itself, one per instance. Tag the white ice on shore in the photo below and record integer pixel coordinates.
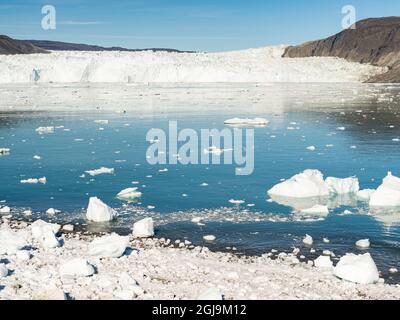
(11, 242)
(211, 294)
(98, 211)
(323, 262)
(109, 246)
(357, 268)
(102, 170)
(363, 244)
(45, 233)
(307, 184)
(342, 186)
(143, 228)
(129, 194)
(77, 267)
(388, 193)
(52, 211)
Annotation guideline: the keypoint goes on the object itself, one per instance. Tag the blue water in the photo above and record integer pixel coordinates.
(364, 149)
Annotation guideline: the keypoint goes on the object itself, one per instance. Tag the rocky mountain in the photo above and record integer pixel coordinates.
(375, 41)
(12, 46)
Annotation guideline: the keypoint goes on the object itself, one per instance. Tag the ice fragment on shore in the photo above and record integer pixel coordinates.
(211, 294)
(3, 270)
(109, 246)
(5, 210)
(143, 228)
(76, 268)
(357, 268)
(45, 233)
(323, 262)
(11, 242)
(52, 211)
(98, 211)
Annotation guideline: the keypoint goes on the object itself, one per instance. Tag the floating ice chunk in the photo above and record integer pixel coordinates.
(323, 262)
(101, 121)
(45, 130)
(365, 194)
(98, 211)
(4, 151)
(11, 242)
(357, 268)
(102, 170)
(45, 233)
(317, 209)
(197, 219)
(109, 246)
(341, 128)
(143, 228)
(342, 186)
(129, 194)
(236, 202)
(211, 294)
(209, 238)
(5, 210)
(163, 170)
(309, 183)
(308, 240)
(311, 148)
(76, 268)
(388, 193)
(52, 211)
(3, 270)
(363, 244)
(393, 270)
(326, 240)
(34, 181)
(247, 122)
(36, 157)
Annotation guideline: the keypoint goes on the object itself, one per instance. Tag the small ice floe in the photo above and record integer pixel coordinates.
(357, 268)
(326, 240)
(3, 270)
(151, 207)
(363, 244)
(342, 186)
(236, 202)
(365, 194)
(143, 228)
(163, 170)
(98, 211)
(246, 122)
(323, 262)
(209, 238)
(204, 184)
(45, 130)
(129, 194)
(197, 220)
(27, 213)
(388, 193)
(393, 270)
(76, 268)
(211, 294)
(36, 157)
(308, 240)
(5, 210)
(11, 242)
(52, 211)
(341, 128)
(311, 148)
(42, 180)
(102, 170)
(317, 209)
(4, 151)
(101, 121)
(309, 183)
(45, 233)
(109, 246)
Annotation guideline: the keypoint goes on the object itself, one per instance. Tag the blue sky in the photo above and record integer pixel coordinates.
(203, 25)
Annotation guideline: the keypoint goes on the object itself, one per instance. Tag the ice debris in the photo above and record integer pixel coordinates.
(98, 211)
(357, 268)
(143, 228)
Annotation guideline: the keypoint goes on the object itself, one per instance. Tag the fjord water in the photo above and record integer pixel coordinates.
(351, 139)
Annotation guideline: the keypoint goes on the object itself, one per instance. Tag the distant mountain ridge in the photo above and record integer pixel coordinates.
(12, 46)
(375, 41)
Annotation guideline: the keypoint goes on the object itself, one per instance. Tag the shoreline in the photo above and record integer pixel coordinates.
(162, 272)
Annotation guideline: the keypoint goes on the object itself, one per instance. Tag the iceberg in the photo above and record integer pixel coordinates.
(102, 170)
(129, 194)
(109, 246)
(388, 193)
(143, 228)
(98, 211)
(363, 244)
(307, 184)
(357, 268)
(342, 186)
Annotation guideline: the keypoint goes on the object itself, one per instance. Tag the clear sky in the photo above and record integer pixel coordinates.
(203, 25)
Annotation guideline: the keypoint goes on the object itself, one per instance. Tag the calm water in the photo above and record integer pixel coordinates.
(364, 149)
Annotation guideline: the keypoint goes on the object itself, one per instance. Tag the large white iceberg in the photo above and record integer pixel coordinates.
(307, 184)
(109, 246)
(98, 211)
(357, 268)
(143, 228)
(388, 193)
(342, 186)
